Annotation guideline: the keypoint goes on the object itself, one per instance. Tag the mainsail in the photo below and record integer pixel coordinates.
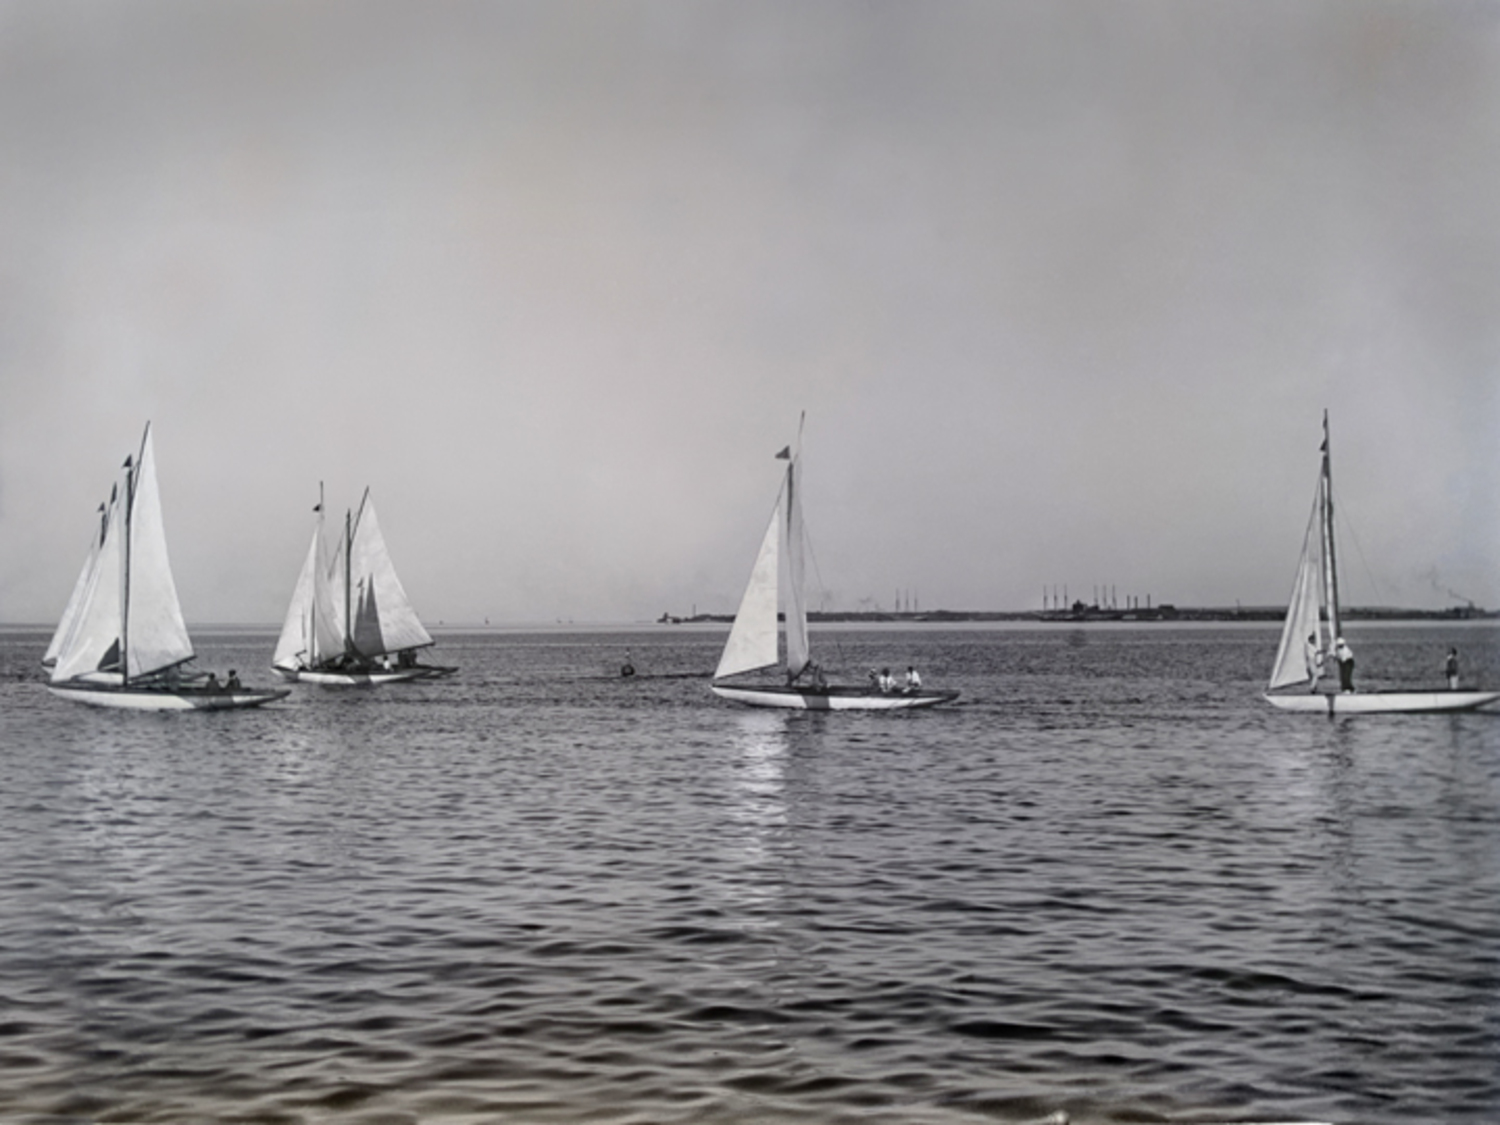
(383, 618)
(156, 636)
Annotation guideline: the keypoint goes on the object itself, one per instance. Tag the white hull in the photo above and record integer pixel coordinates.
(352, 679)
(163, 699)
(830, 699)
(1377, 702)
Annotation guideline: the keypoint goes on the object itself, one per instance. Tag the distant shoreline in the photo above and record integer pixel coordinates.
(1165, 615)
(1092, 615)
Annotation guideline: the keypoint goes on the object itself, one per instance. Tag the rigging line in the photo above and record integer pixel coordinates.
(806, 534)
(1345, 525)
(817, 573)
(838, 645)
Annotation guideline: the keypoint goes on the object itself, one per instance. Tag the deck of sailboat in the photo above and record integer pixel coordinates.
(1381, 702)
(829, 698)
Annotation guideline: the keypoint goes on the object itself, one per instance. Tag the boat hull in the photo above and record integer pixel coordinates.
(164, 699)
(372, 678)
(829, 699)
(1381, 702)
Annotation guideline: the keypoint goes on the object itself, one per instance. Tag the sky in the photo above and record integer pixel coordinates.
(1063, 289)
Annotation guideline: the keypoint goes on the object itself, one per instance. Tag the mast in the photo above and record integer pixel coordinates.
(798, 655)
(125, 566)
(348, 574)
(1330, 562)
(312, 616)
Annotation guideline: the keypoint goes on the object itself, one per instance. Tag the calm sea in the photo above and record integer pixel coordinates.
(1110, 882)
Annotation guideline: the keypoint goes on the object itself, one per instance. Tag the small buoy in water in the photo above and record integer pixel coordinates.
(627, 669)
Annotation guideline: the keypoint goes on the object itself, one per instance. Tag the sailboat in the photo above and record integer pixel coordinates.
(350, 622)
(753, 638)
(1313, 629)
(121, 641)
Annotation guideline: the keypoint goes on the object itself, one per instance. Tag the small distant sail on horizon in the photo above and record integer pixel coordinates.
(122, 641)
(350, 622)
(779, 575)
(1313, 628)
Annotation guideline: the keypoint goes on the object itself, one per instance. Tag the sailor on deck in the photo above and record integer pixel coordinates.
(1313, 655)
(1345, 656)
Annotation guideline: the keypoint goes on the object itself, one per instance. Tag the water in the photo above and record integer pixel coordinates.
(1110, 882)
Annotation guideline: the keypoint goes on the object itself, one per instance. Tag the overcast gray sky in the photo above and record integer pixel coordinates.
(1063, 287)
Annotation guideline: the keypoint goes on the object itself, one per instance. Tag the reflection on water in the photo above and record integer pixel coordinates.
(1110, 882)
(760, 778)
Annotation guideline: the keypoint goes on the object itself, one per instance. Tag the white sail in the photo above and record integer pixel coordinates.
(80, 589)
(797, 653)
(332, 603)
(328, 621)
(1303, 629)
(383, 620)
(313, 633)
(92, 642)
(156, 636)
(752, 637)
(295, 646)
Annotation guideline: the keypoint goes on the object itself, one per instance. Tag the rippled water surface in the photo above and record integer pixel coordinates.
(1110, 882)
